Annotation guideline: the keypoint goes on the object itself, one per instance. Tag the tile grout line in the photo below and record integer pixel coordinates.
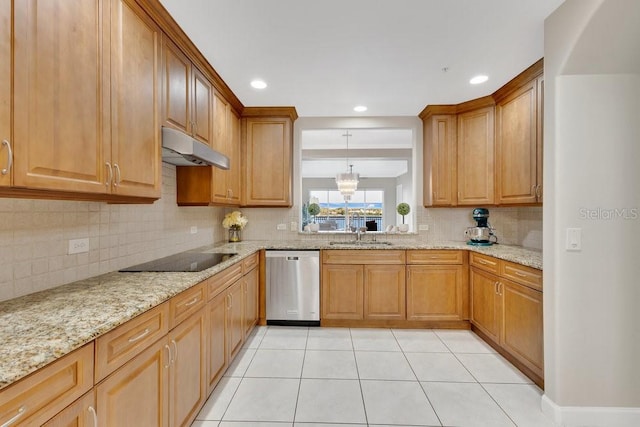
(417, 379)
(355, 359)
(304, 357)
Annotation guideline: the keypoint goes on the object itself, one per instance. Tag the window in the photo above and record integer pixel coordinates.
(365, 209)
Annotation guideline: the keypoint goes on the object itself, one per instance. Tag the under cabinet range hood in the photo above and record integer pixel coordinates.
(181, 149)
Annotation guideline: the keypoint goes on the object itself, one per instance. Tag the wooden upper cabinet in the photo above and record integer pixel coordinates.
(187, 95)
(5, 93)
(517, 146)
(135, 82)
(61, 95)
(540, 138)
(176, 69)
(267, 153)
(440, 160)
(476, 157)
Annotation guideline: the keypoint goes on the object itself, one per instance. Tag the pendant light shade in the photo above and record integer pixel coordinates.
(347, 182)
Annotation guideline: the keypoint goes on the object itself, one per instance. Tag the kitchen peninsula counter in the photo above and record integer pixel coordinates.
(39, 328)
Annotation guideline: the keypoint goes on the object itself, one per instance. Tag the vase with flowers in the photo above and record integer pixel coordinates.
(234, 222)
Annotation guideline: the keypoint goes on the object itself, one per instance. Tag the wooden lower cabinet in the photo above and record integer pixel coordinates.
(187, 381)
(342, 292)
(384, 292)
(435, 292)
(522, 329)
(81, 413)
(486, 304)
(137, 393)
(250, 288)
(164, 385)
(217, 339)
(235, 319)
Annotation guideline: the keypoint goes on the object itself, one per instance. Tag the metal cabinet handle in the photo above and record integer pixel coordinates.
(117, 181)
(16, 417)
(9, 159)
(175, 348)
(495, 288)
(170, 359)
(92, 410)
(517, 273)
(538, 191)
(483, 262)
(193, 301)
(140, 335)
(110, 174)
(534, 192)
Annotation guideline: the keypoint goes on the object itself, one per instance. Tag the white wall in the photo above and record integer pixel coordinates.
(592, 181)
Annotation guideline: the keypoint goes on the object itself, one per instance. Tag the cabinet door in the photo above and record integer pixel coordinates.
(250, 284)
(434, 292)
(81, 413)
(476, 157)
(137, 394)
(135, 124)
(440, 159)
(217, 339)
(233, 178)
(235, 319)
(516, 146)
(485, 303)
(188, 388)
(384, 292)
(202, 108)
(267, 155)
(5, 91)
(61, 95)
(176, 68)
(221, 142)
(342, 291)
(540, 139)
(522, 330)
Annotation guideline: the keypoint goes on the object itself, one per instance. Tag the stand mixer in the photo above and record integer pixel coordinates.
(482, 234)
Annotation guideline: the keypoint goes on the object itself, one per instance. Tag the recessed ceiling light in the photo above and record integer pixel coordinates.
(258, 84)
(478, 79)
(360, 109)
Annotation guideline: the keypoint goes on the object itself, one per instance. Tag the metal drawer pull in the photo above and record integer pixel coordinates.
(193, 301)
(517, 273)
(175, 347)
(140, 335)
(110, 176)
(9, 160)
(16, 417)
(483, 262)
(94, 415)
(170, 359)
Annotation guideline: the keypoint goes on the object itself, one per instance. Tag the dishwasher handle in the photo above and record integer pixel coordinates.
(292, 258)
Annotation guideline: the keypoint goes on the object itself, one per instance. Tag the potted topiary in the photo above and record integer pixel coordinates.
(314, 209)
(403, 209)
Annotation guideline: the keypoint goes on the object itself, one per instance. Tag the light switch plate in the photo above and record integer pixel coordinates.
(194, 229)
(574, 239)
(281, 226)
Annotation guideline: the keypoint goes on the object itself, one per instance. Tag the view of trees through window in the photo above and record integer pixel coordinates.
(365, 209)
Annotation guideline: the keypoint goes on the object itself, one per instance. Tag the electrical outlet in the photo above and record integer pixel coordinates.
(294, 226)
(423, 227)
(194, 229)
(281, 226)
(78, 246)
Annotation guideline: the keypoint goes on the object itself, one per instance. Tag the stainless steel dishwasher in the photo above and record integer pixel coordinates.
(293, 288)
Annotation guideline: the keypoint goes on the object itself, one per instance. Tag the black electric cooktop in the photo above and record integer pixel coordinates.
(184, 261)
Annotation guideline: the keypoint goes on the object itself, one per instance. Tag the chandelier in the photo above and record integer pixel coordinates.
(347, 181)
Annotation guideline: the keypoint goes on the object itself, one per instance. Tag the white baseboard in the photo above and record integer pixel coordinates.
(590, 416)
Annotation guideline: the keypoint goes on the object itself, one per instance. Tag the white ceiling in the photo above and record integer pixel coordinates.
(325, 57)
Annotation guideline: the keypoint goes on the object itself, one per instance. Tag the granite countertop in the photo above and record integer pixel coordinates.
(39, 328)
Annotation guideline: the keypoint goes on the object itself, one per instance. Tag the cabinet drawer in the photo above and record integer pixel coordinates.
(484, 262)
(363, 257)
(37, 398)
(522, 274)
(249, 263)
(186, 303)
(223, 280)
(122, 344)
(438, 257)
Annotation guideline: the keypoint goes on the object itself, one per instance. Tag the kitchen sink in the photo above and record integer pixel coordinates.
(359, 243)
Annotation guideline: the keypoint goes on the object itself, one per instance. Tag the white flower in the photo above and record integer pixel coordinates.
(234, 219)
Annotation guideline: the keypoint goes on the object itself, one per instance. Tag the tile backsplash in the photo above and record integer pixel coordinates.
(34, 237)
(35, 234)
